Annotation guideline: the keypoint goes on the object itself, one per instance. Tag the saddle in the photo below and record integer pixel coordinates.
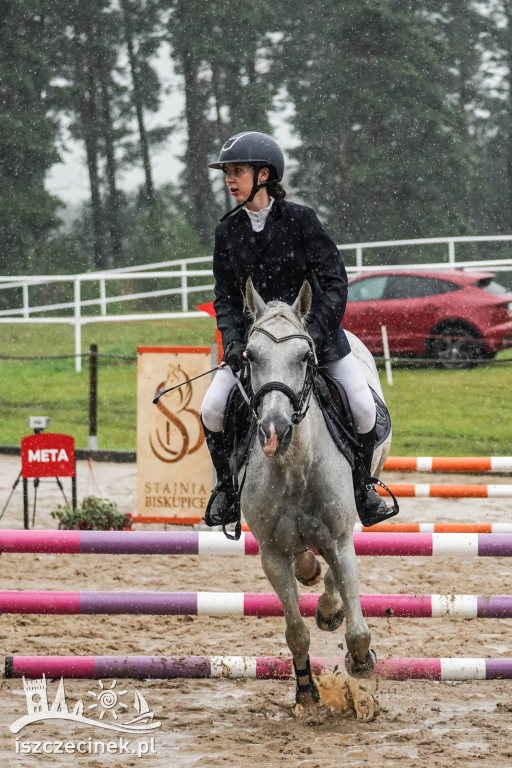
(240, 429)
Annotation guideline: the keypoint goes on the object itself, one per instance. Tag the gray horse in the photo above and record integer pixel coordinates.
(298, 495)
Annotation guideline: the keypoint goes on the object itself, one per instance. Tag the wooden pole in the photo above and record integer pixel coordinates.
(93, 397)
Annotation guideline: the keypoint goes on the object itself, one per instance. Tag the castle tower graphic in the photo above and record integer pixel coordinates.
(35, 691)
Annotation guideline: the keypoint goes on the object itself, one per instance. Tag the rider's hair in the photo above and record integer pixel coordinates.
(276, 190)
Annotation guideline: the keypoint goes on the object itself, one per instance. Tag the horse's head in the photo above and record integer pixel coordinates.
(280, 353)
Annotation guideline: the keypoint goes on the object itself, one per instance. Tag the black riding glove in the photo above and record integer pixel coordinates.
(317, 336)
(233, 355)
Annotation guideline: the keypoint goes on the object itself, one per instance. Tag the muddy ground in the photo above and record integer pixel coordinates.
(237, 724)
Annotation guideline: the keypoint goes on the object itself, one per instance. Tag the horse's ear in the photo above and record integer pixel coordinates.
(302, 303)
(253, 300)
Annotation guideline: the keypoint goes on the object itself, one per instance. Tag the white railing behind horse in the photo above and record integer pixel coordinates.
(182, 273)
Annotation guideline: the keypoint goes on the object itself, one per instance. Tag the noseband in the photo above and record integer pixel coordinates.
(299, 401)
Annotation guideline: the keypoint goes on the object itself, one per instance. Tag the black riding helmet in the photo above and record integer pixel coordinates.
(257, 149)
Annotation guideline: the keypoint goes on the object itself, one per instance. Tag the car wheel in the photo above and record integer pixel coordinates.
(455, 348)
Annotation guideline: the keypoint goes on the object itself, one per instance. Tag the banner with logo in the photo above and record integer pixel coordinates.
(174, 469)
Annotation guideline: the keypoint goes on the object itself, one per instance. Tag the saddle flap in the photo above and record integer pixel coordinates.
(239, 429)
(338, 417)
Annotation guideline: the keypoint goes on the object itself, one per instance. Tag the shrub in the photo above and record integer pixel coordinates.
(93, 515)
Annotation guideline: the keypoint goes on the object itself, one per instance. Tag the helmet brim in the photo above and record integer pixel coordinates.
(253, 163)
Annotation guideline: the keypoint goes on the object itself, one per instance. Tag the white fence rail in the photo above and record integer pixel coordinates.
(182, 271)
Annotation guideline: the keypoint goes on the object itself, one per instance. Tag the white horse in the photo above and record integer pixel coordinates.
(298, 496)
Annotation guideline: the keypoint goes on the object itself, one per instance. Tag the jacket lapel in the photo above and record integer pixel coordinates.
(244, 232)
(271, 226)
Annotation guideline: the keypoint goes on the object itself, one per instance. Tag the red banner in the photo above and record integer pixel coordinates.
(48, 455)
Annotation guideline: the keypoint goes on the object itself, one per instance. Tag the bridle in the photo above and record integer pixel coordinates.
(299, 401)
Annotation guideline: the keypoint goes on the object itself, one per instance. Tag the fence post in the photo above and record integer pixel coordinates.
(451, 252)
(78, 327)
(92, 442)
(387, 359)
(103, 297)
(26, 306)
(359, 260)
(184, 293)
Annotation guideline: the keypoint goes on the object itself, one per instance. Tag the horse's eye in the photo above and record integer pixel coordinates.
(307, 357)
(249, 355)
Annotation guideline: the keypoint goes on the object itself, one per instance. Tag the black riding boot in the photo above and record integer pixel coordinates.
(223, 495)
(370, 507)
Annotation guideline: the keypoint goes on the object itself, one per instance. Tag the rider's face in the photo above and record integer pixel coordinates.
(240, 178)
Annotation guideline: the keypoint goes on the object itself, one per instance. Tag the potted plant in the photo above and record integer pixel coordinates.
(92, 515)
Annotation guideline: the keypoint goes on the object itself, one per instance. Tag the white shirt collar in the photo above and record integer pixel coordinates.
(258, 218)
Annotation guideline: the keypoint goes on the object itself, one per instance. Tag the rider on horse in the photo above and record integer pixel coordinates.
(279, 244)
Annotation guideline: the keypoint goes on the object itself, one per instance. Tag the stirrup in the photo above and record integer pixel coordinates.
(221, 516)
(378, 515)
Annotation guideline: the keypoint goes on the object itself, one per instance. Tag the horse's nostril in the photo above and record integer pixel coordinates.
(287, 436)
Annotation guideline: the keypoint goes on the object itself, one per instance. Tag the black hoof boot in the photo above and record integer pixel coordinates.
(329, 623)
(305, 690)
(361, 669)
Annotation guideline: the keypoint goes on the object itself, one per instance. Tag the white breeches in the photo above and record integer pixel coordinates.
(346, 370)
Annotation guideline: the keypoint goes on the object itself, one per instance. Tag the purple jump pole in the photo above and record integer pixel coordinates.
(247, 604)
(213, 543)
(169, 667)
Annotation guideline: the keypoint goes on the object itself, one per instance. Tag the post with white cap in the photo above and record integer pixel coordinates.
(387, 359)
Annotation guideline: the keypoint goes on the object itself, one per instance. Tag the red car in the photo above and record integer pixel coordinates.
(455, 316)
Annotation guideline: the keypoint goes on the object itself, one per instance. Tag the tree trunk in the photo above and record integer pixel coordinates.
(221, 129)
(113, 209)
(137, 97)
(89, 118)
(197, 150)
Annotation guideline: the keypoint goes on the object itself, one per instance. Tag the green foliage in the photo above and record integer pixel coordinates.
(28, 134)
(92, 515)
(381, 150)
(402, 113)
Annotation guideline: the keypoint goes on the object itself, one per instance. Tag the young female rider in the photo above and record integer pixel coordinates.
(278, 244)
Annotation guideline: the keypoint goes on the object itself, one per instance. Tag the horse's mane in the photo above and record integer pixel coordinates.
(279, 309)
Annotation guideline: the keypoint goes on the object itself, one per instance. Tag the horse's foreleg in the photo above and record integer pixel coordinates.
(329, 611)
(279, 571)
(343, 564)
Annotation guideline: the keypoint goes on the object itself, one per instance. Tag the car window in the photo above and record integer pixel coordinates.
(369, 289)
(489, 285)
(417, 287)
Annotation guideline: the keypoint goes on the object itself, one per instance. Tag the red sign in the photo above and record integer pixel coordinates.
(48, 455)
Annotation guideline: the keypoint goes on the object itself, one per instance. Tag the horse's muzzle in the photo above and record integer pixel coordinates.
(275, 435)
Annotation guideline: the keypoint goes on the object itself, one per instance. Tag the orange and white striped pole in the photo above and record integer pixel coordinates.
(425, 490)
(448, 464)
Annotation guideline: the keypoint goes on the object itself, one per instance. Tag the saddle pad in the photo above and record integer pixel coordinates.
(338, 416)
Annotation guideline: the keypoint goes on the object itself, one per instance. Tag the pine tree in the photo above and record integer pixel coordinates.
(28, 134)
(381, 152)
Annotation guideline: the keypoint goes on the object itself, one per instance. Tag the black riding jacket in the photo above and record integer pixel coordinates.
(292, 247)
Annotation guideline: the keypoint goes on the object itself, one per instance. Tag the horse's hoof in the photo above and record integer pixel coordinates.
(329, 623)
(312, 579)
(361, 669)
